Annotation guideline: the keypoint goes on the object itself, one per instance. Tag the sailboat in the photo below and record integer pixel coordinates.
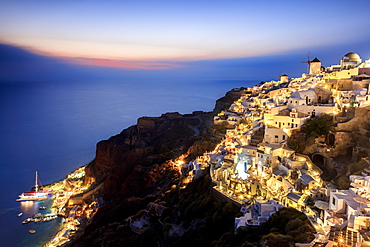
(33, 196)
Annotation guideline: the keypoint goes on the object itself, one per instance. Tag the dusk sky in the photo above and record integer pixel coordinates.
(170, 34)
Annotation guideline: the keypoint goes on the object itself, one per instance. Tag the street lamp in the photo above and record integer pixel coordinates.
(340, 241)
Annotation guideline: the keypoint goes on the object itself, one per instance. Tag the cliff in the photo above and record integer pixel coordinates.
(135, 169)
(152, 141)
(225, 102)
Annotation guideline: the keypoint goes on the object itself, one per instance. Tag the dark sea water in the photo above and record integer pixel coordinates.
(53, 128)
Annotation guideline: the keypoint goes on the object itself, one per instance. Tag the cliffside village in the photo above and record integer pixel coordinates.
(254, 167)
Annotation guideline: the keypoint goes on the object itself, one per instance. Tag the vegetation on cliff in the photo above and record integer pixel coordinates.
(284, 228)
(313, 128)
(197, 218)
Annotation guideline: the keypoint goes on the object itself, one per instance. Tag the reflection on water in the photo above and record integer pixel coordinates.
(29, 207)
(33, 207)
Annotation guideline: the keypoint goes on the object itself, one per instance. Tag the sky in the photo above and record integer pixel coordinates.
(177, 34)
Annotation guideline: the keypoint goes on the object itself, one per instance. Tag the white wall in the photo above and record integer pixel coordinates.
(272, 133)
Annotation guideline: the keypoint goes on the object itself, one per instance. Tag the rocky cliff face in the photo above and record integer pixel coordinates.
(136, 170)
(152, 141)
(225, 102)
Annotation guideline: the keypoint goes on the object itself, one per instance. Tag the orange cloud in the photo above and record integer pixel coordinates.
(134, 65)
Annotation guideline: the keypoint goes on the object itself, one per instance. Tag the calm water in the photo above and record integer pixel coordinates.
(53, 128)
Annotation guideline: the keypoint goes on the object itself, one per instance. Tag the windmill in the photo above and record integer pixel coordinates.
(308, 62)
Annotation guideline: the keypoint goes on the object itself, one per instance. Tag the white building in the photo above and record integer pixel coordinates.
(275, 135)
(289, 121)
(312, 102)
(350, 210)
(304, 97)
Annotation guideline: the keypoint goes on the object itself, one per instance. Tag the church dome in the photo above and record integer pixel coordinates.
(351, 57)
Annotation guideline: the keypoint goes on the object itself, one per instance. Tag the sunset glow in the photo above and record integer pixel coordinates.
(146, 65)
(179, 31)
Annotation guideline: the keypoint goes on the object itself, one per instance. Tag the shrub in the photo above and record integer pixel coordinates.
(357, 167)
(306, 228)
(297, 141)
(318, 126)
(293, 225)
(343, 183)
(274, 229)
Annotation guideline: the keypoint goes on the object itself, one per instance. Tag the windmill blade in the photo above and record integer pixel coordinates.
(308, 62)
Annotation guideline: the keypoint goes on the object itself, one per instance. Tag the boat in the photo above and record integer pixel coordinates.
(28, 220)
(42, 207)
(40, 218)
(35, 195)
(20, 214)
(32, 231)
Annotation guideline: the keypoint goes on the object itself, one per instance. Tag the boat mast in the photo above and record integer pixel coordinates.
(36, 186)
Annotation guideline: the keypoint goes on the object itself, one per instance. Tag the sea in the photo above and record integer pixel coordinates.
(53, 126)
